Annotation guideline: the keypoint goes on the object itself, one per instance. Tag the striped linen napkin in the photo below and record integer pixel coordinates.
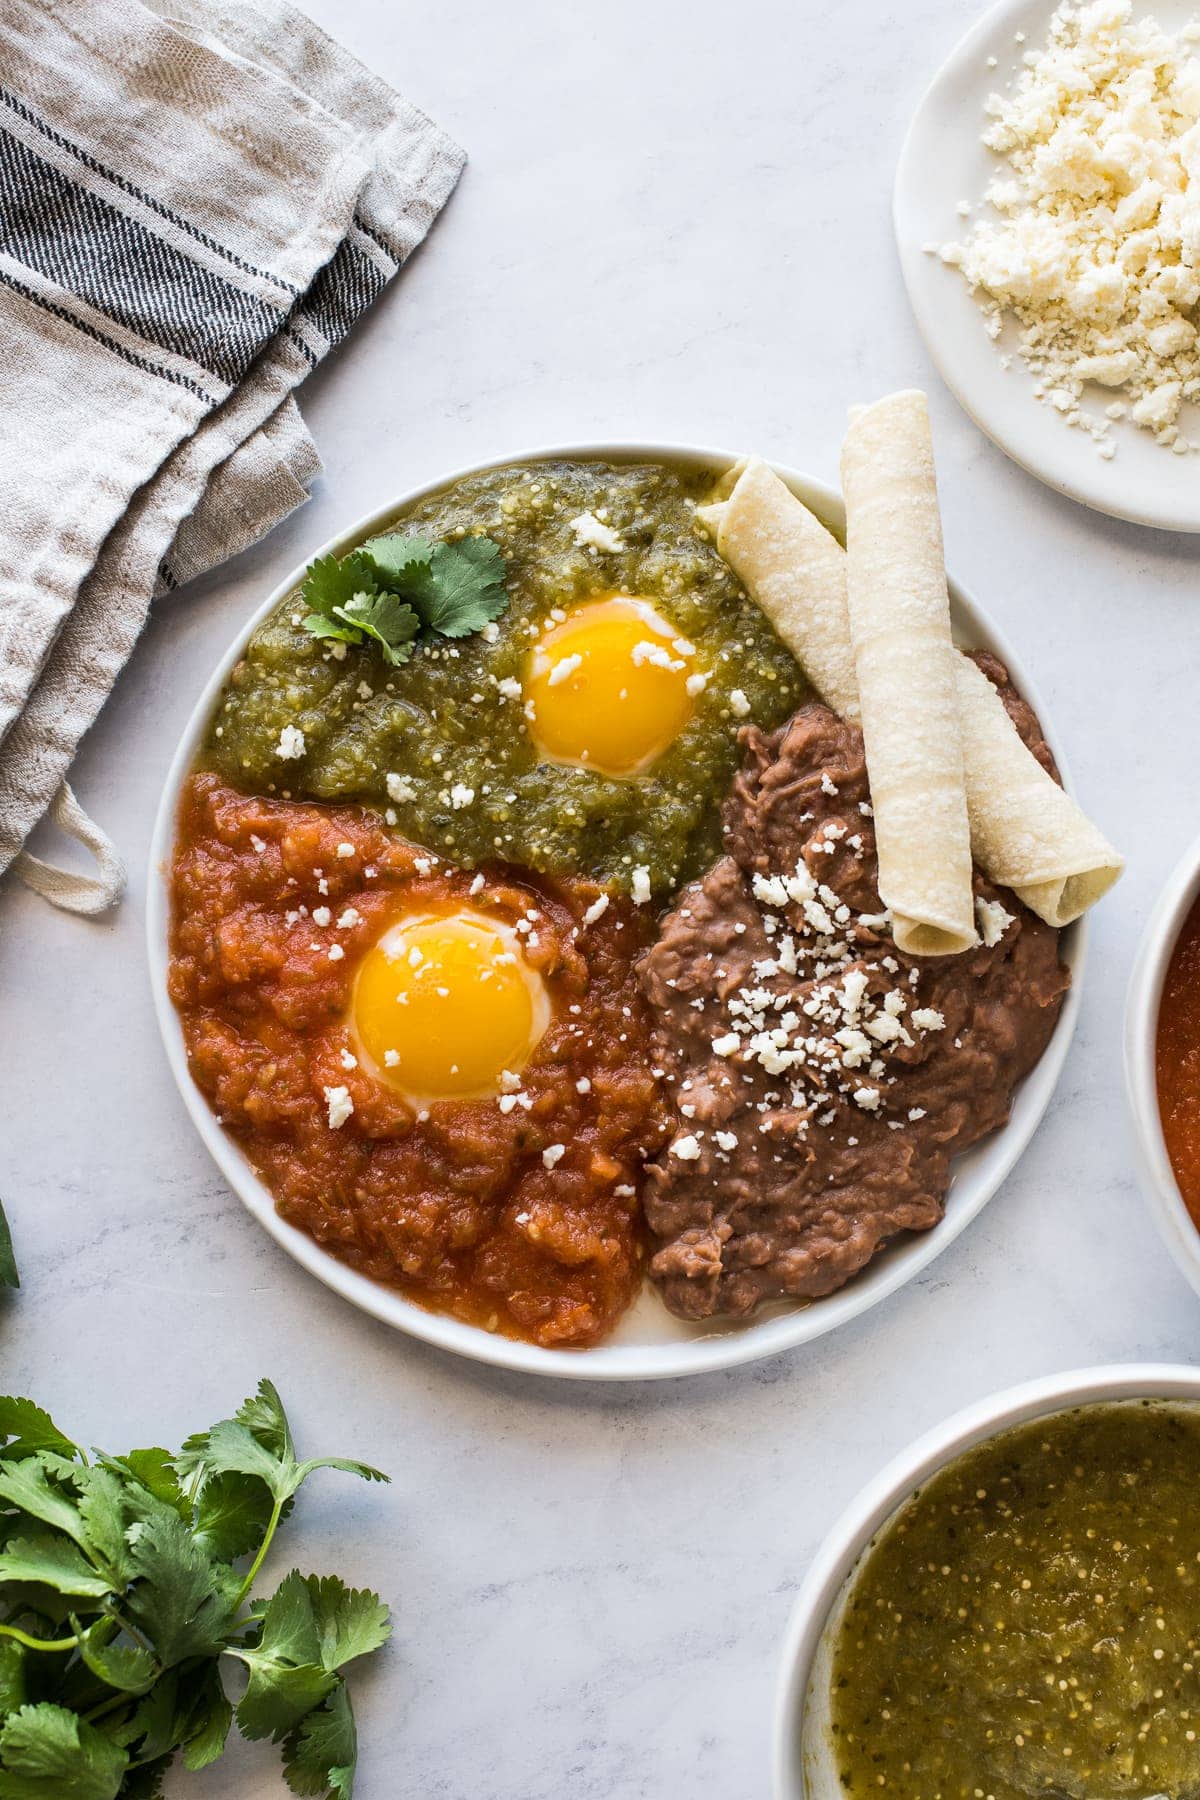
(198, 198)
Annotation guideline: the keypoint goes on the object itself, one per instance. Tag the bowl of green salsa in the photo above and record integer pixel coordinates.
(1011, 1609)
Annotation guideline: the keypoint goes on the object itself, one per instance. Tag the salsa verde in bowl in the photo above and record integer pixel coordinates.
(1011, 1607)
(647, 1340)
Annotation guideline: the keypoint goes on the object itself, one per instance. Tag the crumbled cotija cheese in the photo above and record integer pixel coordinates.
(340, 1105)
(592, 533)
(291, 743)
(686, 1148)
(1093, 240)
(563, 669)
(994, 920)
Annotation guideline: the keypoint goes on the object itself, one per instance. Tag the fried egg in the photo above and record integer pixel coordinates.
(610, 687)
(447, 1007)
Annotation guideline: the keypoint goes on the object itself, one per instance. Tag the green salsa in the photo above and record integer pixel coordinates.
(1029, 1624)
(451, 722)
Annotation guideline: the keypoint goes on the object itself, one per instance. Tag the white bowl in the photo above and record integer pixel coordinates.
(1178, 1229)
(649, 1343)
(943, 162)
(803, 1763)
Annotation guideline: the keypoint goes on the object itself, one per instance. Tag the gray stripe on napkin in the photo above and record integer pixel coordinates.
(96, 251)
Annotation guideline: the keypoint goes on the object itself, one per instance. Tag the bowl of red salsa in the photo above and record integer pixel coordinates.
(1162, 1062)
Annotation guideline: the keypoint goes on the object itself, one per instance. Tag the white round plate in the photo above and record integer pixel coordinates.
(943, 162)
(649, 1343)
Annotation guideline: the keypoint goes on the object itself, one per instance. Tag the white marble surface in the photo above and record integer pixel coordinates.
(675, 224)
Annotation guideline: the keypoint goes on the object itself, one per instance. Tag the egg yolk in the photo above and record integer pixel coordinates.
(445, 1005)
(611, 687)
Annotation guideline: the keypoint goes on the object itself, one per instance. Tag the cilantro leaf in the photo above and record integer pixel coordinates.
(258, 1442)
(28, 1428)
(154, 1471)
(186, 1707)
(278, 1695)
(13, 1688)
(161, 1717)
(346, 1464)
(179, 1598)
(210, 1717)
(230, 1449)
(396, 585)
(310, 1629)
(391, 622)
(127, 1667)
(345, 602)
(56, 1563)
(8, 1262)
(350, 1622)
(108, 1506)
(49, 1753)
(399, 562)
(264, 1418)
(320, 1755)
(146, 1782)
(320, 626)
(467, 587)
(29, 1485)
(456, 586)
(287, 1678)
(232, 1514)
(333, 581)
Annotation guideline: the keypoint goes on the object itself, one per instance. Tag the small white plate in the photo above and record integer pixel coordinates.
(943, 162)
(649, 1343)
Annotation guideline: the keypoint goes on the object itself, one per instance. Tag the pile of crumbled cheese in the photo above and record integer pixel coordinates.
(1094, 248)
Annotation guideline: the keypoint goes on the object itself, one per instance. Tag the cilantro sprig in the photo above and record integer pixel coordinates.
(395, 589)
(124, 1582)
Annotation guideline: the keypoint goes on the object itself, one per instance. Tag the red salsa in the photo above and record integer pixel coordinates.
(521, 1217)
(1178, 1062)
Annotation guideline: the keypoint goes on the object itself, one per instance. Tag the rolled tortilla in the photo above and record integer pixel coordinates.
(1026, 832)
(795, 571)
(904, 659)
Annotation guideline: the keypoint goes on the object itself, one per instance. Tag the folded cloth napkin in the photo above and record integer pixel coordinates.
(198, 198)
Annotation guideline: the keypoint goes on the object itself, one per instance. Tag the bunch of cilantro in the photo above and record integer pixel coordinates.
(394, 590)
(124, 1581)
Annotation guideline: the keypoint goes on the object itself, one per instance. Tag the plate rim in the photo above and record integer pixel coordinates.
(720, 1349)
(913, 258)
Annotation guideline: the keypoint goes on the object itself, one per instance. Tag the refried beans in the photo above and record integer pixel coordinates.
(521, 1217)
(822, 1081)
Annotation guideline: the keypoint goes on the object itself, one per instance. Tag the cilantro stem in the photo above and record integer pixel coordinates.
(110, 1705)
(118, 1618)
(257, 1564)
(33, 1643)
